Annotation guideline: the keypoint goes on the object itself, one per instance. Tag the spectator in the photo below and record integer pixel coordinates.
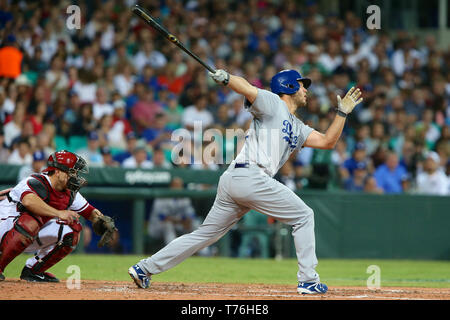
(148, 55)
(172, 217)
(378, 137)
(36, 63)
(168, 80)
(38, 117)
(370, 185)
(197, 114)
(86, 86)
(120, 56)
(73, 77)
(44, 143)
(25, 90)
(13, 128)
(286, 176)
(39, 163)
(349, 165)
(21, 154)
(124, 80)
(131, 141)
(3, 112)
(91, 153)
(362, 134)
(149, 79)
(340, 154)
(120, 126)
(108, 160)
(56, 78)
(101, 105)
(407, 158)
(85, 121)
(158, 134)
(443, 146)
(222, 116)
(26, 134)
(415, 105)
(390, 174)
(403, 57)
(4, 152)
(356, 182)
(432, 180)
(72, 108)
(145, 110)
(331, 59)
(159, 159)
(301, 175)
(428, 128)
(174, 112)
(314, 53)
(138, 160)
(103, 129)
(107, 82)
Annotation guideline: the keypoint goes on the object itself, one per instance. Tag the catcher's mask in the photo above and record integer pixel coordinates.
(71, 164)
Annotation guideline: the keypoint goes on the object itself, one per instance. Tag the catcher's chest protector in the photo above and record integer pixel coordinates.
(60, 200)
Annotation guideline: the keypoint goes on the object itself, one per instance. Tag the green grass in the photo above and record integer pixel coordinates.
(408, 273)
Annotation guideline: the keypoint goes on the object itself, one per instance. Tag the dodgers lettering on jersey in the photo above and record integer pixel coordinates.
(273, 135)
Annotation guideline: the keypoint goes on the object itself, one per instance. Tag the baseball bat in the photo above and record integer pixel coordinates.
(145, 15)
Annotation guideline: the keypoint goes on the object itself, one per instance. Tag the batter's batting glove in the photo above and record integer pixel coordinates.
(220, 76)
(349, 102)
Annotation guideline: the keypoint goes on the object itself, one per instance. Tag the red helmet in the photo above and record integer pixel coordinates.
(71, 164)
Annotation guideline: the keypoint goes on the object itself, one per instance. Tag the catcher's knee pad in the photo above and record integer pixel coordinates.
(16, 240)
(63, 247)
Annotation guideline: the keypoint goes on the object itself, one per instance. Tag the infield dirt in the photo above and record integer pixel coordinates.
(15, 289)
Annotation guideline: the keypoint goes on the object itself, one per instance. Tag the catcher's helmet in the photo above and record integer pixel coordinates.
(286, 82)
(71, 164)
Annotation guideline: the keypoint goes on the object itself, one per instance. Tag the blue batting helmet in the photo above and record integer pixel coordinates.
(286, 82)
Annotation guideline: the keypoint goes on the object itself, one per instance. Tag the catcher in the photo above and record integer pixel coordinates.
(40, 215)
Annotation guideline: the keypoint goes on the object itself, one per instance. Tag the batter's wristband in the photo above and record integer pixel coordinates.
(340, 113)
(225, 82)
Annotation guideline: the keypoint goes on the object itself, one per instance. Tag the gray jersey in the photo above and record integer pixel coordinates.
(273, 135)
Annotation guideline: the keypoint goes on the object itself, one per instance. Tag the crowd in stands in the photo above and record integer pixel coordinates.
(114, 90)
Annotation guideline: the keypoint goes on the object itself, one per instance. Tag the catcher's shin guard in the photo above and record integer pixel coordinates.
(65, 245)
(16, 240)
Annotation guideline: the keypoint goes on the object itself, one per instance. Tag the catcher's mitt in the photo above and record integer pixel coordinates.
(104, 226)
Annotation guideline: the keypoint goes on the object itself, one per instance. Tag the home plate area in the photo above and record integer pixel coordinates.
(15, 289)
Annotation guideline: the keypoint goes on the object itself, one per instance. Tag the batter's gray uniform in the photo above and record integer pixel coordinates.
(248, 184)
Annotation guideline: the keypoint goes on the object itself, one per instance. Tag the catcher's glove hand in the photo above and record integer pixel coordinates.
(104, 226)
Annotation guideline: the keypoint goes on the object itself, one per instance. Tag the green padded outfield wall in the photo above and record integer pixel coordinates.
(372, 226)
(119, 177)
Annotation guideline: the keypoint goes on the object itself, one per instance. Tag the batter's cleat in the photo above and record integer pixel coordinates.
(30, 276)
(2, 277)
(311, 288)
(139, 277)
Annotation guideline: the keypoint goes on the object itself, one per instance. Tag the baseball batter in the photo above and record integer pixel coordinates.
(247, 184)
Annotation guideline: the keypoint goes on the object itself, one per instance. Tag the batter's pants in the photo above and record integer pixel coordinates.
(239, 191)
